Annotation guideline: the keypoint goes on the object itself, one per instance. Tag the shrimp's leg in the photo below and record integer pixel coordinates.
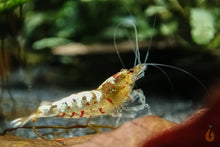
(56, 141)
(137, 95)
(96, 126)
(131, 112)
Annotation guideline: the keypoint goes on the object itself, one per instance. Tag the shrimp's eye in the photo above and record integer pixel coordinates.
(131, 71)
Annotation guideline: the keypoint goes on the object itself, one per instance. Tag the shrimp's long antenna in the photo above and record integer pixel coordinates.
(167, 77)
(148, 49)
(136, 50)
(184, 71)
(116, 47)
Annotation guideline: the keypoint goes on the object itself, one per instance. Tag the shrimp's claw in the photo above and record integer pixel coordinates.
(20, 122)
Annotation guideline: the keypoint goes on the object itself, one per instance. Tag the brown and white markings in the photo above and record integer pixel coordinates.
(105, 100)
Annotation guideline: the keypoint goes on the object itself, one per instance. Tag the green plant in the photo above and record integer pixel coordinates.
(8, 5)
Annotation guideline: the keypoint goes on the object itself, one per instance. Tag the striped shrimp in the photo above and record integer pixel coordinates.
(105, 100)
(114, 94)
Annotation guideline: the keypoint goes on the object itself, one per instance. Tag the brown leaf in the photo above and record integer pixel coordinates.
(201, 129)
(11, 141)
(130, 134)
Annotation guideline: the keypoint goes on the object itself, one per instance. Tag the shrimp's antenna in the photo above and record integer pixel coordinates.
(166, 75)
(136, 50)
(184, 71)
(148, 49)
(116, 47)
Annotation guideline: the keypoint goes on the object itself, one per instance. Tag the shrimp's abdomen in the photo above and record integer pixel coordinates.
(102, 101)
(84, 104)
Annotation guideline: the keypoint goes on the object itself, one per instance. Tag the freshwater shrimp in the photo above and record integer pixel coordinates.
(108, 99)
(105, 100)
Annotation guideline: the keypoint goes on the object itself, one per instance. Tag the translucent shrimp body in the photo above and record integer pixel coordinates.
(105, 100)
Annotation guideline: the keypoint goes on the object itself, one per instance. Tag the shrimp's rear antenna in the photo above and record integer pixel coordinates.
(116, 47)
(136, 50)
(148, 49)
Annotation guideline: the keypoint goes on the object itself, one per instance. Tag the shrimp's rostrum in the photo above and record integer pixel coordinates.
(104, 100)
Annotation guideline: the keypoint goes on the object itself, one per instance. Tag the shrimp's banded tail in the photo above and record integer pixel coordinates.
(19, 122)
(42, 111)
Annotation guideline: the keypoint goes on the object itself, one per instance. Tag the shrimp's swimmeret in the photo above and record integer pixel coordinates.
(105, 100)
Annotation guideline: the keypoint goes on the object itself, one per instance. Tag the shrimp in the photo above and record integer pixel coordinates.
(105, 100)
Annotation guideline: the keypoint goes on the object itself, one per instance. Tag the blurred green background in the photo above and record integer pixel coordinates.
(193, 24)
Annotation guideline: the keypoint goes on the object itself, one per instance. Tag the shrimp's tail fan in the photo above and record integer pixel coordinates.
(20, 122)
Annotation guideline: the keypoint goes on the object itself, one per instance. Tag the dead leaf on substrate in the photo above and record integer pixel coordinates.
(129, 134)
(202, 129)
(15, 141)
